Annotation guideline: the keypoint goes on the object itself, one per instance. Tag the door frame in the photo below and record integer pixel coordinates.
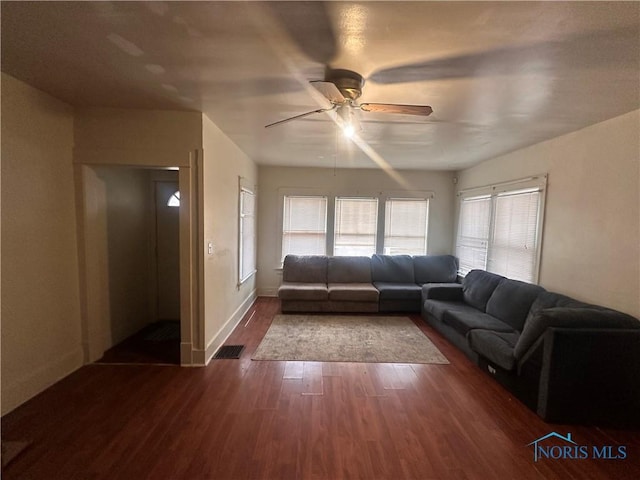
(94, 290)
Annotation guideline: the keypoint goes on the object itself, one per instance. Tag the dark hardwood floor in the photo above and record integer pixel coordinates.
(244, 419)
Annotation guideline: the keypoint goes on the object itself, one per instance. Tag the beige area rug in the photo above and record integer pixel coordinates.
(342, 338)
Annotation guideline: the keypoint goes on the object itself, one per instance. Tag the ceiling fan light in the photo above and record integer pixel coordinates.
(349, 130)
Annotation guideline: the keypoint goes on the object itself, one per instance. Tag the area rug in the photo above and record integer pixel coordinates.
(347, 338)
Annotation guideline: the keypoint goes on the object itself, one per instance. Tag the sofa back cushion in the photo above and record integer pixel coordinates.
(392, 268)
(478, 286)
(435, 268)
(305, 268)
(512, 300)
(589, 317)
(349, 270)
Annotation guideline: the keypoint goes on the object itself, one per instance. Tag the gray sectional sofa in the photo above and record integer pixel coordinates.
(567, 360)
(384, 283)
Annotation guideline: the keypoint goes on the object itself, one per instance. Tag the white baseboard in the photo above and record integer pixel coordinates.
(221, 337)
(268, 292)
(16, 393)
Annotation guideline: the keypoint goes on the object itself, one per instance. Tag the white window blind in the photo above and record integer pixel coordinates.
(247, 254)
(355, 226)
(405, 226)
(473, 233)
(513, 249)
(304, 226)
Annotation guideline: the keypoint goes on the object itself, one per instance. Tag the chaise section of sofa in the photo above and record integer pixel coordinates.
(567, 360)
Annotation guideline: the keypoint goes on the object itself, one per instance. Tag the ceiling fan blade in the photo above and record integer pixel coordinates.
(309, 25)
(329, 90)
(423, 110)
(302, 115)
(584, 51)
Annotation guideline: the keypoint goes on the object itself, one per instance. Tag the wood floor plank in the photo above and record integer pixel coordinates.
(244, 419)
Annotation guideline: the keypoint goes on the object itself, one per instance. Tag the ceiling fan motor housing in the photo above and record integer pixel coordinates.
(349, 83)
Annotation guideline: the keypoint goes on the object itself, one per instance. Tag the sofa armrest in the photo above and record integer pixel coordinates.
(561, 317)
(590, 375)
(442, 291)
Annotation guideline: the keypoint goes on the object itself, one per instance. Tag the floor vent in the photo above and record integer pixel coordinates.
(229, 351)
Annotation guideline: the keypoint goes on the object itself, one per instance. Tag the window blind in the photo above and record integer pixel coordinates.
(304, 226)
(513, 248)
(355, 226)
(405, 229)
(472, 241)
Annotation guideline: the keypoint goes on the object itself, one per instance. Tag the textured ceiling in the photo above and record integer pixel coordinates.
(498, 75)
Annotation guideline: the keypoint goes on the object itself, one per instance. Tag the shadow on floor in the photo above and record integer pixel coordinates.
(157, 343)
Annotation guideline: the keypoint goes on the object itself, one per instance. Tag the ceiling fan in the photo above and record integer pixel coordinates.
(342, 88)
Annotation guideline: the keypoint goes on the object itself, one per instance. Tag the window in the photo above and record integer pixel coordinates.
(473, 233)
(247, 241)
(356, 224)
(514, 240)
(304, 225)
(405, 226)
(174, 200)
(501, 231)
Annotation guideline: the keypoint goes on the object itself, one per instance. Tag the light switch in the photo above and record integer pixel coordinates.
(210, 248)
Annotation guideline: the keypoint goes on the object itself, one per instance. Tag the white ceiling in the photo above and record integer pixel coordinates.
(499, 75)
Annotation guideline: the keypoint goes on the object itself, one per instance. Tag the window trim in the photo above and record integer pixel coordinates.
(243, 191)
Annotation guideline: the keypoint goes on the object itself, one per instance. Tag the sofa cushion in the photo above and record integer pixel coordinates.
(463, 321)
(562, 317)
(478, 286)
(435, 268)
(303, 291)
(442, 291)
(436, 308)
(303, 268)
(356, 292)
(496, 347)
(392, 268)
(399, 291)
(512, 300)
(349, 269)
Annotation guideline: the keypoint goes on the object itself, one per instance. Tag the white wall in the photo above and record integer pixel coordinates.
(591, 242)
(41, 340)
(327, 181)
(224, 301)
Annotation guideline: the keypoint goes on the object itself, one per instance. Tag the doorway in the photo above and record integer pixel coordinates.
(142, 239)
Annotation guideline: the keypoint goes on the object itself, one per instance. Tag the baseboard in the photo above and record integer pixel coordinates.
(14, 395)
(226, 330)
(267, 292)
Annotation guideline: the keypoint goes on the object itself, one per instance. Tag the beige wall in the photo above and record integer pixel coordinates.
(129, 224)
(591, 242)
(136, 137)
(327, 181)
(224, 301)
(41, 340)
